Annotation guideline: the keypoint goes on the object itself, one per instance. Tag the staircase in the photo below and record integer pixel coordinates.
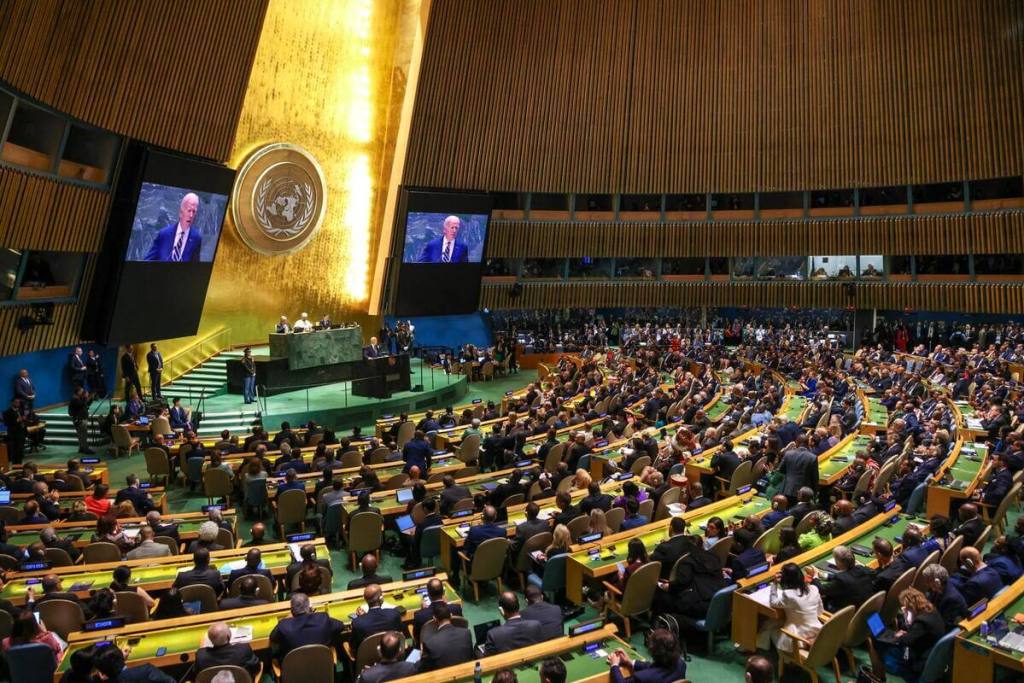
(236, 421)
(209, 379)
(60, 431)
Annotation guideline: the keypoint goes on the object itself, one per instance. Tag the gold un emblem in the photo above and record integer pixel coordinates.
(279, 199)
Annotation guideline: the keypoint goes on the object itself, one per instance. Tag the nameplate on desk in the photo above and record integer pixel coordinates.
(522, 463)
(462, 513)
(386, 417)
(586, 627)
(418, 573)
(145, 485)
(601, 443)
(358, 492)
(89, 461)
(477, 400)
(509, 393)
(208, 508)
(889, 506)
(103, 624)
(743, 489)
(623, 476)
(754, 571)
(33, 566)
(295, 538)
(591, 538)
(978, 608)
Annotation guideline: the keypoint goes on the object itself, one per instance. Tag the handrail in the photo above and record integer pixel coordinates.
(195, 354)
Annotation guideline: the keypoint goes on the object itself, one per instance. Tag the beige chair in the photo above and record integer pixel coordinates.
(524, 561)
(670, 497)
(395, 482)
(721, 549)
(675, 568)
(637, 597)
(160, 425)
(951, 555)
(61, 616)
(862, 484)
(6, 624)
(436, 478)
(290, 508)
(365, 535)
(469, 449)
(367, 655)
(158, 465)
(464, 504)
(217, 484)
(614, 518)
(350, 459)
(639, 464)
(514, 499)
(982, 540)
(201, 592)
(306, 663)
(264, 587)
(238, 674)
(647, 509)
(379, 455)
(554, 457)
(768, 542)
(997, 518)
(487, 564)
(169, 542)
(741, 477)
(858, 631)
(806, 524)
(58, 557)
(466, 472)
(564, 485)
(325, 580)
(919, 581)
(892, 597)
(578, 527)
(101, 551)
(225, 539)
(406, 431)
(123, 440)
(824, 650)
(132, 607)
(9, 514)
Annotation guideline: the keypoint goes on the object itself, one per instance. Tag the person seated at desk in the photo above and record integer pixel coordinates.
(971, 524)
(697, 497)
(374, 350)
(850, 584)
(435, 596)
(975, 580)
(307, 555)
(946, 599)
(53, 589)
(698, 578)
(549, 616)
(390, 666)
(633, 518)
(282, 326)
(26, 630)
(374, 618)
(821, 533)
(325, 323)
(666, 665)
(122, 581)
(417, 452)
(147, 546)
(303, 324)
(451, 493)
(108, 530)
(1004, 560)
(287, 434)
(50, 540)
(218, 650)
(596, 499)
(247, 594)
(31, 514)
(448, 644)
(292, 461)
(674, 547)
(486, 530)
(153, 519)
(179, 417)
(201, 573)
(515, 633)
(552, 670)
(920, 627)
(888, 568)
(134, 408)
(110, 667)
(97, 502)
(368, 565)
(291, 481)
(998, 484)
(141, 501)
(507, 490)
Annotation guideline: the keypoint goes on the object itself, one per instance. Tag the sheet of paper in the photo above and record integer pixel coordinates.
(761, 595)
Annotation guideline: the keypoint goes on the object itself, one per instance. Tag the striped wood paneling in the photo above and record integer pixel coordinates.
(39, 213)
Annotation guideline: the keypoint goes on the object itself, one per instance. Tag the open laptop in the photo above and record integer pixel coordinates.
(405, 524)
(480, 631)
(403, 495)
(878, 630)
(5, 497)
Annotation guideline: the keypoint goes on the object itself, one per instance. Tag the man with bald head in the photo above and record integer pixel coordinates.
(304, 627)
(375, 618)
(975, 580)
(218, 650)
(447, 248)
(369, 568)
(971, 524)
(179, 242)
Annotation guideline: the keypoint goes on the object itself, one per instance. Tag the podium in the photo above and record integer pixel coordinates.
(385, 376)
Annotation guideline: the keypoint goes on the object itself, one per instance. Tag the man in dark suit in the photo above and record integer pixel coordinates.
(435, 595)
(486, 530)
(446, 645)
(887, 568)
(304, 627)
(155, 362)
(370, 576)
(109, 663)
(532, 526)
(375, 618)
(595, 499)
(447, 248)
(50, 539)
(76, 366)
(53, 589)
(130, 372)
(179, 242)
(511, 488)
(451, 494)
(805, 504)
(851, 584)
(16, 431)
(374, 349)
(390, 666)
(222, 652)
(947, 600)
(139, 498)
(998, 484)
(800, 468)
(975, 580)
(253, 559)
(415, 535)
(201, 572)
(417, 453)
(161, 529)
(247, 595)
(549, 616)
(725, 462)
(671, 549)
(25, 390)
(515, 633)
(971, 523)
(179, 417)
(566, 510)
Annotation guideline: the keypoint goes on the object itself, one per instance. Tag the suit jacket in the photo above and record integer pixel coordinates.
(155, 361)
(984, 583)
(480, 533)
(549, 616)
(449, 646)
(139, 498)
(951, 606)
(150, 549)
(245, 571)
(669, 551)
(528, 529)
(232, 654)
(851, 587)
(418, 453)
(364, 581)
(163, 245)
(512, 635)
(208, 576)
(450, 496)
(145, 673)
(315, 628)
(24, 389)
(77, 364)
(423, 615)
(241, 601)
(800, 468)
(371, 351)
(390, 671)
(178, 418)
(432, 251)
(374, 621)
(169, 530)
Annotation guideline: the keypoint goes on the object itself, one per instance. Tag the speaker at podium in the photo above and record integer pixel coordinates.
(385, 376)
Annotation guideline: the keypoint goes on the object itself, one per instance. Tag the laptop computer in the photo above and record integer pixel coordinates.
(403, 495)
(405, 523)
(5, 497)
(480, 631)
(878, 630)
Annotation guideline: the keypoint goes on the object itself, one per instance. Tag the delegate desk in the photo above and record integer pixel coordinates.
(68, 498)
(968, 420)
(153, 574)
(750, 600)
(585, 658)
(444, 464)
(93, 473)
(384, 423)
(80, 532)
(876, 415)
(180, 638)
(975, 657)
(833, 463)
(585, 564)
(957, 479)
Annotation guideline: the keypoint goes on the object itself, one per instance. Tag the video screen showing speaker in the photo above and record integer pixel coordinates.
(445, 234)
(158, 253)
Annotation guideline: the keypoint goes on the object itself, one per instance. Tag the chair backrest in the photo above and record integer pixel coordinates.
(721, 549)
(469, 449)
(325, 580)
(884, 475)
(983, 538)
(647, 509)
(291, 506)
(536, 542)
(308, 663)
(437, 478)
(225, 538)
(998, 518)
(892, 597)
(719, 610)
(831, 637)
(31, 663)
(670, 497)
(351, 459)
(201, 592)
(806, 523)
(101, 551)
(768, 542)
(430, 542)
(564, 485)
(578, 526)
(194, 469)
(157, 463)
(758, 469)
(132, 607)
(553, 457)
(939, 658)
(406, 431)
(514, 499)
(6, 624)
(75, 482)
(379, 455)
(332, 520)
(160, 425)
(466, 472)
(862, 483)
(239, 674)
(367, 654)
(919, 580)
(553, 580)
(9, 514)
(489, 559)
(365, 532)
(951, 555)
(463, 504)
(61, 616)
(122, 439)
(741, 476)
(916, 498)
(640, 589)
(395, 481)
(639, 464)
(264, 587)
(614, 517)
(255, 492)
(858, 631)
(217, 483)
(169, 542)
(675, 567)
(58, 557)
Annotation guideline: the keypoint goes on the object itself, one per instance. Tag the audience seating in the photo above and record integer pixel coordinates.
(824, 650)
(487, 564)
(637, 597)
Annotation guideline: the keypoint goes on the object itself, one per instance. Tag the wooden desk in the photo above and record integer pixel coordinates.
(965, 464)
(975, 658)
(188, 528)
(67, 498)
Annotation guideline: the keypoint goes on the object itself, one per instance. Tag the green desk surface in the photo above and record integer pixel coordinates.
(965, 468)
(185, 528)
(610, 555)
(718, 410)
(794, 407)
(165, 571)
(966, 409)
(1015, 607)
(186, 639)
(877, 413)
(843, 458)
(578, 663)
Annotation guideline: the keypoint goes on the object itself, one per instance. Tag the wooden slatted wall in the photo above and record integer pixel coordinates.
(170, 72)
(697, 96)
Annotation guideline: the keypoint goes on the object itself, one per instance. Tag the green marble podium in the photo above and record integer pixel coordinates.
(315, 349)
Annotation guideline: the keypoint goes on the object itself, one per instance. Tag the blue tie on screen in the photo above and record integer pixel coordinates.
(447, 256)
(176, 254)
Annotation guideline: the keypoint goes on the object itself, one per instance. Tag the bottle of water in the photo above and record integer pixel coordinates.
(477, 673)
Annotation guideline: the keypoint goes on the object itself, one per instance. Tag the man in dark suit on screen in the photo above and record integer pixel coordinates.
(179, 242)
(447, 248)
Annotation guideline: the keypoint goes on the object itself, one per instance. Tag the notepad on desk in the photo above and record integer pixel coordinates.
(241, 634)
(761, 596)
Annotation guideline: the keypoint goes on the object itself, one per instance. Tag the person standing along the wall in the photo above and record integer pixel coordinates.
(78, 409)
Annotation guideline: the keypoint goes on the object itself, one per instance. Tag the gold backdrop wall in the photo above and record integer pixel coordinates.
(328, 76)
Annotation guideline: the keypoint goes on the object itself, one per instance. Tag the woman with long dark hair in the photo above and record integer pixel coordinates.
(27, 630)
(800, 601)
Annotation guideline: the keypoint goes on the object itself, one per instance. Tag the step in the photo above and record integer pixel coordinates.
(234, 413)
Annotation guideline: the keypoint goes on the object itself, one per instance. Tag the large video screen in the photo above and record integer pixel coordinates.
(176, 224)
(158, 253)
(444, 238)
(442, 252)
